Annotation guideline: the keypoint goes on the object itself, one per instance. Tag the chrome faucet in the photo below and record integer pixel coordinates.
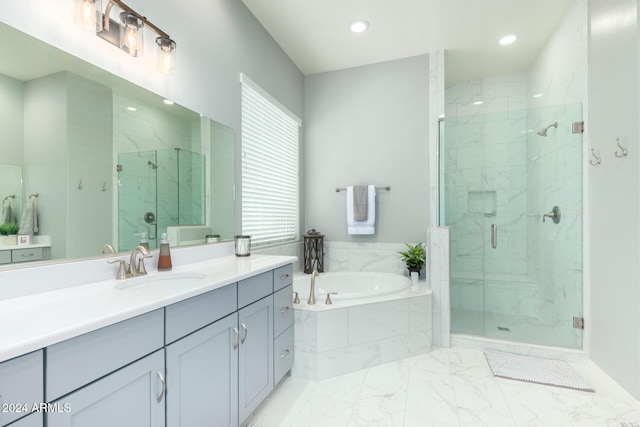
(107, 248)
(312, 293)
(132, 271)
(139, 270)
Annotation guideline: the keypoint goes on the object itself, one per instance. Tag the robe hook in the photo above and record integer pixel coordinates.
(598, 159)
(625, 151)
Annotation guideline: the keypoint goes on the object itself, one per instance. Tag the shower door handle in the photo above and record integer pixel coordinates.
(494, 236)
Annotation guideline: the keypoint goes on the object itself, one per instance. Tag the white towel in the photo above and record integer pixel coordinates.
(362, 227)
(29, 218)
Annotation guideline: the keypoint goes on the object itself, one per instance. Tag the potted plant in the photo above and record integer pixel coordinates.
(414, 257)
(10, 231)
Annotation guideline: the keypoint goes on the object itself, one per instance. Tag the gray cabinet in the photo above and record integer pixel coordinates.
(33, 420)
(202, 377)
(256, 355)
(21, 386)
(131, 396)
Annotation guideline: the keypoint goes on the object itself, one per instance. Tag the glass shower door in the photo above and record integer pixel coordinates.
(513, 276)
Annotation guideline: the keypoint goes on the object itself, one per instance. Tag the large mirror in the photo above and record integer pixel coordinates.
(103, 161)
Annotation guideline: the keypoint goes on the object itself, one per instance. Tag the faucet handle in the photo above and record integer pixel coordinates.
(296, 299)
(141, 268)
(328, 300)
(122, 271)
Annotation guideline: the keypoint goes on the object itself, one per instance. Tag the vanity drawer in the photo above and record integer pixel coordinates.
(21, 383)
(282, 355)
(189, 315)
(5, 257)
(27, 254)
(282, 276)
(78, 361)
(254, 288)
(282, 310)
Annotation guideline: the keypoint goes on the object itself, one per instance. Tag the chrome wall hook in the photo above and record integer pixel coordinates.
(80, 186)
(625, 151)
(598, 159)
(104, 187)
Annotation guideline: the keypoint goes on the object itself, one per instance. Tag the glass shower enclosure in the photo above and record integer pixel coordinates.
(511, 193)
(157, 189)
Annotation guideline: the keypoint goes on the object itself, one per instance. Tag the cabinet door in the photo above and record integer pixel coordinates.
(256, 355)
(202, 377)
(131, 396)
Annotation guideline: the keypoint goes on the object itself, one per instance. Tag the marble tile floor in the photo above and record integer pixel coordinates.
(444, 388)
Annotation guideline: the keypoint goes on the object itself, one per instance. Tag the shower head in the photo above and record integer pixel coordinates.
(543, 132)
(153, 165)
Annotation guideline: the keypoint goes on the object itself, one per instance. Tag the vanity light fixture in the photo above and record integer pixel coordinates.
(127, 32)
(358, 25)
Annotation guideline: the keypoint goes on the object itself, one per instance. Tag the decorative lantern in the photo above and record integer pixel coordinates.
(313, 251)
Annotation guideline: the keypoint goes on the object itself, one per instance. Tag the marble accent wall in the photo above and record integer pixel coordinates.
(377, 257)
(440, 283)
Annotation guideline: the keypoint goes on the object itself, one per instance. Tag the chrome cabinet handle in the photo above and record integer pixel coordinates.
(246, 331)
(284, 354)
(164, 386)
(494, 236)
(284, 276)
(284, 310)
(237, 343)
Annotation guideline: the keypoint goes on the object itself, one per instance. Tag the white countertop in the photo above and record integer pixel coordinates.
(31, 322)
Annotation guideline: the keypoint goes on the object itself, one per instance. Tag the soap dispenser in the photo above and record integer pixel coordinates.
(164, 260)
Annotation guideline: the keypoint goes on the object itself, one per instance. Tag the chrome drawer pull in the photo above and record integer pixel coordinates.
(284, 354)
(164, 386)
(284, 310)
(246, 331)
(237, 343)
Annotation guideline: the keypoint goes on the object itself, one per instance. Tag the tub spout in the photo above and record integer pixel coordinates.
(312, 292)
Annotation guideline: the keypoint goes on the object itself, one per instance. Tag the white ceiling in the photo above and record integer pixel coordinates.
(316, 37)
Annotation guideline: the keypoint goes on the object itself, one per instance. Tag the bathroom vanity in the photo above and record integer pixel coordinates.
(39, 250)
(202, 345)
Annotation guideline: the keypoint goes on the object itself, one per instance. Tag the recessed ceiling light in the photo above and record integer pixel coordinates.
(537, 95)
(478, 103)
(358, 25)
(132, 109)
(168, 102)
(508, 39)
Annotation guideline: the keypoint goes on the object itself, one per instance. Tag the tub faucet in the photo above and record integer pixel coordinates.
(312, 293)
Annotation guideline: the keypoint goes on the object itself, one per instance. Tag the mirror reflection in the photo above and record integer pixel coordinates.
(111, 162)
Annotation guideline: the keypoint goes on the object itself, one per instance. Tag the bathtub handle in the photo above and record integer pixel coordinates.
(296, 299)
(328, 300)
(244, 337)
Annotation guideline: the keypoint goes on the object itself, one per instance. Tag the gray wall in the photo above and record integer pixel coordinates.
(11, 119)
(369, 125)
(614, 191)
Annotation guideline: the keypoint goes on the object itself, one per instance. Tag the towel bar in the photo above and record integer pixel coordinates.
(339, 189)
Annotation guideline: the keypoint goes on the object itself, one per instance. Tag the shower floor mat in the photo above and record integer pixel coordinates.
(536, 370)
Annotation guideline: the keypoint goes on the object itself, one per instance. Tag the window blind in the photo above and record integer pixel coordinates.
(270, 138)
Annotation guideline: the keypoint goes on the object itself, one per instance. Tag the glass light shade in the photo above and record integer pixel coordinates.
(88, 15)
(131, 34)
(166, 55)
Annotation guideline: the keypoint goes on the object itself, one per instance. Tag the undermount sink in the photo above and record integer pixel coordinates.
(159, 277)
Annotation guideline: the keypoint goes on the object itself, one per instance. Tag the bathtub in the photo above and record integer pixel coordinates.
(375, 318)
(351, 285)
